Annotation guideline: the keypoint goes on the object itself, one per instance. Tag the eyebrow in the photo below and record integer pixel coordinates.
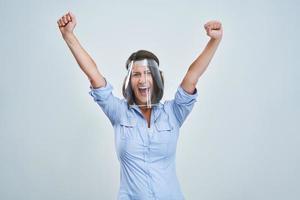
(138, 72)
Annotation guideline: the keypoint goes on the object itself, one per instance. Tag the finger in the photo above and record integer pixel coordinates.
(73, 17)
(69, 17)
(208, 31)
(214, 27)
(62, 22)
(65, 19)
(211, 23)
(217, 25)
(206, 25)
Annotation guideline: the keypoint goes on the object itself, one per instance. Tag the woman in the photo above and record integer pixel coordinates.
(146, 131)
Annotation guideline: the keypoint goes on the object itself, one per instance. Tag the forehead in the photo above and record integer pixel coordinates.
(140, 65)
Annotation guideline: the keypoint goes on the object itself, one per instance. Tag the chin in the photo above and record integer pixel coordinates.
(142, 102)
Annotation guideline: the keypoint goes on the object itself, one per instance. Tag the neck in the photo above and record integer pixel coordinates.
(145, 109)
(147, 114)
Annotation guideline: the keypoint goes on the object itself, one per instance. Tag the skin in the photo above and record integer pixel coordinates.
(213, 30)
(138, 79)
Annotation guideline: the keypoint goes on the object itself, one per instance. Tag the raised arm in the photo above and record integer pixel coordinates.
(66, 26)
(214, 31)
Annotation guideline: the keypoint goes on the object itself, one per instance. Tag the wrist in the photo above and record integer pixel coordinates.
(68, 35)
(216, 40)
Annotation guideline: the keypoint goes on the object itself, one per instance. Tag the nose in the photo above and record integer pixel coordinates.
(142, 79)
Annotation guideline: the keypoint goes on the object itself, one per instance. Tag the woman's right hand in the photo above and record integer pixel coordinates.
(67, 24)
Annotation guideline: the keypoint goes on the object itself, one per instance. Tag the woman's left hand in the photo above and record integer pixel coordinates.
(214, 29)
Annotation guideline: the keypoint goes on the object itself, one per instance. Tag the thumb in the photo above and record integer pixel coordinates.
(73, 17)
(208, 31)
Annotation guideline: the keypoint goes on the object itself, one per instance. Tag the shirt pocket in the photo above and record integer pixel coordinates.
(164, 129)
(165, 142)
(127, 126)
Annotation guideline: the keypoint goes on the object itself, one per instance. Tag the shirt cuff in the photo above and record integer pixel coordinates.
(101, 93)
(184, 97)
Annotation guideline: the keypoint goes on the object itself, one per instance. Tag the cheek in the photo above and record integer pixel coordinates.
(151, 82)
(132, 83)
(134, 88)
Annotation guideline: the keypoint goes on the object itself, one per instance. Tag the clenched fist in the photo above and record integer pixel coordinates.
(214, 29)
(67, 23)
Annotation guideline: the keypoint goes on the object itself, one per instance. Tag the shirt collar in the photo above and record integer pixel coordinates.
(155, 109)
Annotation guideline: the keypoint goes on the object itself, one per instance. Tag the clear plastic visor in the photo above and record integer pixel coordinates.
(144, 79)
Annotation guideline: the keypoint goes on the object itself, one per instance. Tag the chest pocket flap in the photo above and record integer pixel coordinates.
(128, 121)
(127, 124)
(162, 123)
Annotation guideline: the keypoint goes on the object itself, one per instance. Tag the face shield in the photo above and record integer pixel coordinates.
(144, 82)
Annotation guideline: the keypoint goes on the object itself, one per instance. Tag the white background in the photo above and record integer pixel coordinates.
(241, 140)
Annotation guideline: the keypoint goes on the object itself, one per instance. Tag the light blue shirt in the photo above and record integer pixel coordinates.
(146, 155)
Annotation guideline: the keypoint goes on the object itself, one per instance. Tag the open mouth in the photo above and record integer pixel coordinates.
(144, 91)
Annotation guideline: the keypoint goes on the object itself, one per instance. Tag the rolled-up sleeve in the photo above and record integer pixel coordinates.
(107, 101)
(183, 104)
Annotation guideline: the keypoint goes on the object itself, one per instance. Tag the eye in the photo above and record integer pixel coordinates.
(148, 72)
(136, 75)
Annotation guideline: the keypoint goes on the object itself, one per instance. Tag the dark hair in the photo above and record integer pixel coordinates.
(140, 55)
(158, 91)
